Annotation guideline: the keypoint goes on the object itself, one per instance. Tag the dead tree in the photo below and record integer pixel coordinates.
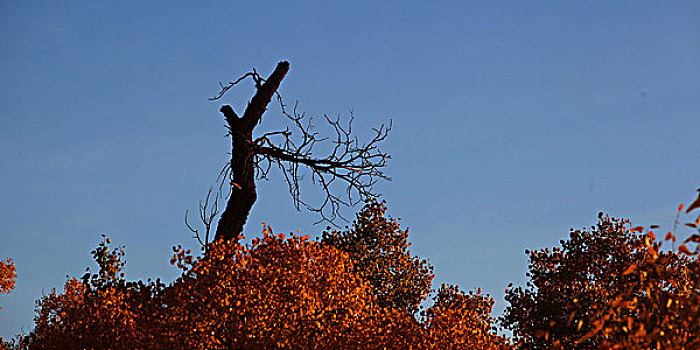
(356, 165)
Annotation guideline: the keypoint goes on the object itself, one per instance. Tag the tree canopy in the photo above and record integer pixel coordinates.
(608, 287)
(283, 292)
(378, 248)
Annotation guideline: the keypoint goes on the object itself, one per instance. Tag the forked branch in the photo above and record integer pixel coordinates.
(355, 166)
(208, 210)
(349, 166)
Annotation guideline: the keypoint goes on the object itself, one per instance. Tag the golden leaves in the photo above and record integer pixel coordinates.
(283, 291)
(630, 269)
(605, 287)
(684, 249)
(8, 274)
(694, 205)
(631, 293)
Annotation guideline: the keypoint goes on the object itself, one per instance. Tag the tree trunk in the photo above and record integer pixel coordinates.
(243, 194)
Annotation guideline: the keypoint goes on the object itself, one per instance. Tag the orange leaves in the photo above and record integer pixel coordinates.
(630, 269)
(651, 235)
(604, 287)
(378, 248)
(694, 205)
(460, 320)
(81, 318)
(683, 249)
(282, 291)
(613, 274)
(182, 258)
(8, 274)
(653, 251)
(695, 238)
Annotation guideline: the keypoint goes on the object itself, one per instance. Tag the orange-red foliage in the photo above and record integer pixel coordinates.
(278, 292)
(608, 288)
(378, 248)
(289, 293)
(459, 320)
(104, 311)
(8, 274)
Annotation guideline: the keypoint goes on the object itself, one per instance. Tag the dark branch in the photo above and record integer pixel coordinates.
(258, 104)
(208, 211)
(349, 165)
(358, 165)
(243, 193)
(224, 88)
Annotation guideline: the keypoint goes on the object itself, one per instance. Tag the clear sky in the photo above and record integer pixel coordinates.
(513, 122)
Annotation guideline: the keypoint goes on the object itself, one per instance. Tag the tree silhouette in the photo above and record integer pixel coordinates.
(357, 165)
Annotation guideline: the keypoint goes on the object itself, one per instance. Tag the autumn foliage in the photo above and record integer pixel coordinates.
(278, 292)
(609, 287)
(378, 248)
(8, 274)
(286, 293)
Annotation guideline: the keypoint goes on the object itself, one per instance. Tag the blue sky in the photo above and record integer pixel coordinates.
(513, 122)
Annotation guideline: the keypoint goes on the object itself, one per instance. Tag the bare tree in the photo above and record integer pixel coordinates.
(355, 165)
